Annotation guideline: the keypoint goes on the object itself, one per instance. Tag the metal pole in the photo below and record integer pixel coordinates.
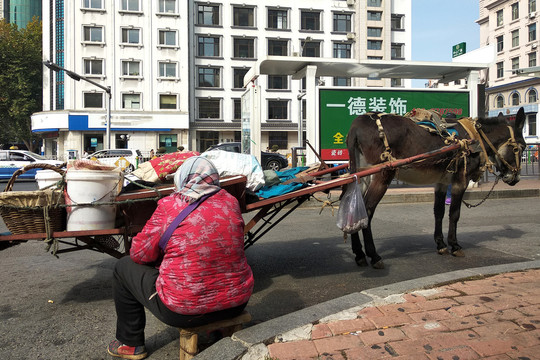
(300, 130)
(108, 120)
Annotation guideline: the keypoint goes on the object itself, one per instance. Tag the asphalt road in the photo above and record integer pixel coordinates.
(63, 309)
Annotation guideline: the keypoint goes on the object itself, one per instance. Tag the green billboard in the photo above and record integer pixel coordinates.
(339, 107)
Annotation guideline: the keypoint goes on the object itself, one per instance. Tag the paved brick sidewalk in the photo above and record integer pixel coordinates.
(492, 318)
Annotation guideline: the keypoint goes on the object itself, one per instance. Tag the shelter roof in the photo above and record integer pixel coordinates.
(287, 65)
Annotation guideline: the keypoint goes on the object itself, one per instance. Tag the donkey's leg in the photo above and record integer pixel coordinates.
(438, 210)
(377, 188)
(458, 190)
(360, 257)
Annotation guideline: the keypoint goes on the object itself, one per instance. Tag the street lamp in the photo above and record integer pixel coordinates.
(107, 89)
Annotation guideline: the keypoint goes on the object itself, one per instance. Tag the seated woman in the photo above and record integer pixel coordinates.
(200, 276)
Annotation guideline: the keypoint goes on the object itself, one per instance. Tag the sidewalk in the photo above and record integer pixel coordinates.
(483, 313)
(474, 316)
(493, 318)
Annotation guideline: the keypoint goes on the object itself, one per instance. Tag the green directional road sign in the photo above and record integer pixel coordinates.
(339, 107)
(459, 49)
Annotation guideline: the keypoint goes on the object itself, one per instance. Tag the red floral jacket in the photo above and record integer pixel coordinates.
(204, 268)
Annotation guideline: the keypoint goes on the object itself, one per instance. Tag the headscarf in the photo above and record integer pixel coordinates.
(196, 177)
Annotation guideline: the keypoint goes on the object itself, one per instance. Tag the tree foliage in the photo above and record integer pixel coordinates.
(21, 72)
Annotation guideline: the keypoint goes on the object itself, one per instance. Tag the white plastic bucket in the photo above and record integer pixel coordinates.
(92, 187)
(47, 178)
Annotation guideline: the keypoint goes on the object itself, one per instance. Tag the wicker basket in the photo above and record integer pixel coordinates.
(27, 212)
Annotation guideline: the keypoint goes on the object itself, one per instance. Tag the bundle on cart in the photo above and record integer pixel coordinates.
(40, 211)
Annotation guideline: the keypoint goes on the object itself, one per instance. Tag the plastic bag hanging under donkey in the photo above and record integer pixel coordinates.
(352, 215)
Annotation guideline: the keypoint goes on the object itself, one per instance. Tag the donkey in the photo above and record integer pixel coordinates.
(376, 138)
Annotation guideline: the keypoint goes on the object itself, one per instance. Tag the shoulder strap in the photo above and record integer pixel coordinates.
(176, 222)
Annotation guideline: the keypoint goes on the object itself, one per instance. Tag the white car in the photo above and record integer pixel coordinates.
(12, 160)
(126, 159)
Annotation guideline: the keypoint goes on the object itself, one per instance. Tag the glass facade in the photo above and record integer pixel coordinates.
(21, 12)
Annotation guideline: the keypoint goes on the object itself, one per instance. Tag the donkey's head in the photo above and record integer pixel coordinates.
(508, 151)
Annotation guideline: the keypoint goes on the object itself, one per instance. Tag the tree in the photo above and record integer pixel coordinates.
(21, 72)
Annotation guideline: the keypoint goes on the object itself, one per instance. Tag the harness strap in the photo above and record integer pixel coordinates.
(470, 126)
(512, 142)
(387, 154)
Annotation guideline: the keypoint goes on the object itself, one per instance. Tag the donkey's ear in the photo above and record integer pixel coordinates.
(520, 120)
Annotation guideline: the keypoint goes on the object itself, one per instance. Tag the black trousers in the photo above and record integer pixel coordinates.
(133, 286)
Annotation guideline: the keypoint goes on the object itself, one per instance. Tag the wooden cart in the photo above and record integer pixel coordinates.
(135, 208)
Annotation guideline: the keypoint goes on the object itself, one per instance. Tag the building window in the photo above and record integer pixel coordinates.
(93, 100)
(93, 67)
(532, 59)
(374, 15)
(238, 78)
(515, 38)
(515, 11)
(244, 48)
(374, 32)
(130, 5)
(515, 99)
(500, 43)
(532, 32)
(167, 6)
(342, 22)
(500, 18)
(277, 19)
(310, 48)
(500, 101)
(278, 82)
(515, 63)
(532, 6)
(342, 81)
(131, 68)
(500, 70)
(374, 3)
(278, 47)
(167, 37)
(396, 22)
(93, 34)
(208, 77)
(396, 82)
(374, 44)
(92, 4)
(310, 20)
(131, 101)
(278, 109)
(208, 46)
(396, 52)
(243, 16)
(209, 108)
(131, 36)
(532, 96)
(279, 138)
(237, 109)
(167, 101)
(167, 69)
(342, 50)
(531, 125)
(208, 15)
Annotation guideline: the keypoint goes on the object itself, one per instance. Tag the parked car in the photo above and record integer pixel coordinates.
(269, 160)
(126, 159)
(12, 160)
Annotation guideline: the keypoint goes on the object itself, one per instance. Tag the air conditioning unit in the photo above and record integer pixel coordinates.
(351, 36)
(532, 15)
(351, 2)
(534, 46)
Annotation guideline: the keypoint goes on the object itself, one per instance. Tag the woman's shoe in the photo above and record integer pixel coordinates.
(117, 349)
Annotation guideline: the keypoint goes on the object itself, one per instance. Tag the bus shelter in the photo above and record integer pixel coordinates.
(311, 68)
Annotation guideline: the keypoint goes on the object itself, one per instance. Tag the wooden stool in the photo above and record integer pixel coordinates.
(189, 337)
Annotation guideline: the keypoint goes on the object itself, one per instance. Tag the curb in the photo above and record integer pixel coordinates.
(251, 343)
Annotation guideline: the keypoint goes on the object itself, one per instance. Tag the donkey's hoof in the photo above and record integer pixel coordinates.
(361, 261)
(443, 251)
(378, 265)
(458, 253)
